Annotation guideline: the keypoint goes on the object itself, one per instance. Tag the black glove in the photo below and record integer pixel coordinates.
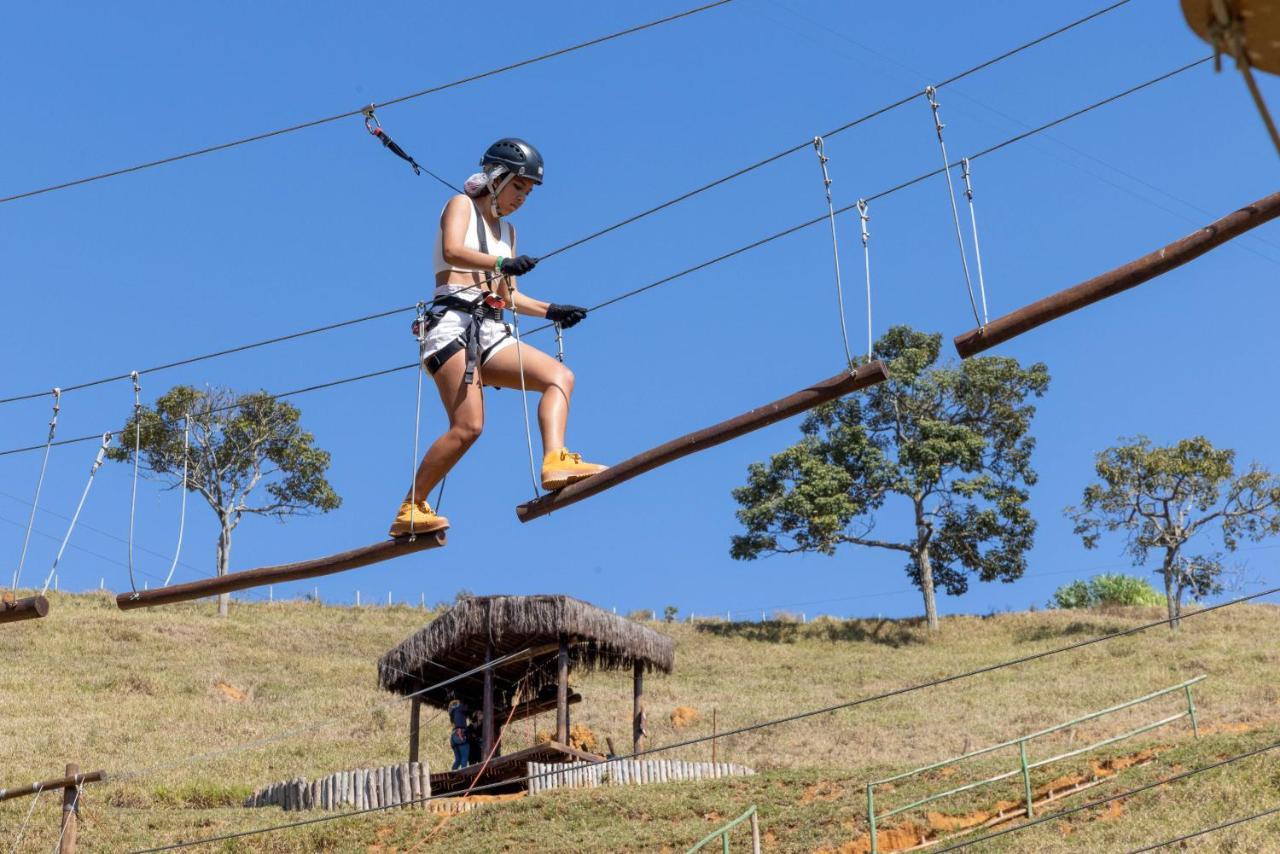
(565, 315)
(518, 265)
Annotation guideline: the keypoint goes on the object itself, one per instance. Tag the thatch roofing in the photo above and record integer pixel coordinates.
(456, 642)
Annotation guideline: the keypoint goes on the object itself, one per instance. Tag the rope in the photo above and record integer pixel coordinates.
(44, 465)
(137, 456)
(524, 393)
(951, 191)
(1208, 830)
(740, 250)
(420, 326)
(326, 120)
(182, 517)
(973, 222)
(789, 719)
(600, 233)
(22, 830)
(820, 149)
(97, 464)
(1103, 801)
(864, 218)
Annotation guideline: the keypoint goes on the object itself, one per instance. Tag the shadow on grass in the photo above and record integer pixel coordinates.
(1077, 628)
(892, 633)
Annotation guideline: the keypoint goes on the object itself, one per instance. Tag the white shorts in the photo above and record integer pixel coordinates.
(494, 336)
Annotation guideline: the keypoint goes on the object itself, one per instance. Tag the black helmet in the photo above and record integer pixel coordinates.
(519, 157)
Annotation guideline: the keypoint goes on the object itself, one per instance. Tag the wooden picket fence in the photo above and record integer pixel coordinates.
(626, 772)
(361, 788)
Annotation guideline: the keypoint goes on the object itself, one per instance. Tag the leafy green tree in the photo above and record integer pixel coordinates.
(1162, 497)
(1107, 589)
(247, 454)
(952, 442)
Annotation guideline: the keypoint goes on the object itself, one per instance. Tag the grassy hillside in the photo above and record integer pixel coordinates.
(193, 712)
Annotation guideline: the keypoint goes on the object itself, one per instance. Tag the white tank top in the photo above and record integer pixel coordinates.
(499, 244)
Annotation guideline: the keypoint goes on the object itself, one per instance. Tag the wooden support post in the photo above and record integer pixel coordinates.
(486, 725)
(713, 735)
(637, 706)
(385, 550)
(415, 716)
(14, 610)
(830, 389)
(562, 691)
(1119, 279)
(70, 803)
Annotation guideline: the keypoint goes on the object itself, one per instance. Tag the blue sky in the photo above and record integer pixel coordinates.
(322, 225)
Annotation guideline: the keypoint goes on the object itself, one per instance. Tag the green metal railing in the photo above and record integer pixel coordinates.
(723, 833)
(1025, 766)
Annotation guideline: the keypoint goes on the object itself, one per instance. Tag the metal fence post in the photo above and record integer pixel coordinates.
(1191, 713)
(1026, 774)
(871, 816)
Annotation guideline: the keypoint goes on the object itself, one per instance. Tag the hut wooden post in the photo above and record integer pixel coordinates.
(562, 691)
(637, 706)
(486, 732)
(67, 841)
(415, 716)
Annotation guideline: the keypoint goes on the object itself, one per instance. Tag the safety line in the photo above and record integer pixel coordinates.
(35, 503)
(137, 460)
(93, 471)
(23, 829)
(820, 148)
(1208, 830)
(182, 516)
(1103, 801)
(634, 218)
(315, 122)
(723, 257)
(777, 721)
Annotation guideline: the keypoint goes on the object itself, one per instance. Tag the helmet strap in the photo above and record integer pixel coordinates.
(496, 187)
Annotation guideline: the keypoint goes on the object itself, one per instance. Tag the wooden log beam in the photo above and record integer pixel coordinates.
(71, 780)
(830, 389)
(1119, 279)
(341, 562)
(14, 610)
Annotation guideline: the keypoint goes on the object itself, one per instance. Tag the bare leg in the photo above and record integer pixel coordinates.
(465, 407)
(542, 374)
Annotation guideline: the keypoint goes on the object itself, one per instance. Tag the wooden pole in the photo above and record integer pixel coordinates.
(562, 691)
(713, 735)
(1119, 279)
(67, 838)
(830, 389)
(637, 706)
(385, 550)
(62, 783)
(486, 724)
(15, 610)
(415, 716)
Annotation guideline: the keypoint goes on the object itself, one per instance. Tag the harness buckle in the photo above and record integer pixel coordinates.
(494, 301)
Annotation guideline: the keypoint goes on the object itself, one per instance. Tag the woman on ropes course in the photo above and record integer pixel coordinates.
(466, 343)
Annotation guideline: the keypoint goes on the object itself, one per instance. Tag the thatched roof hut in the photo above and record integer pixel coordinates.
(458, 639)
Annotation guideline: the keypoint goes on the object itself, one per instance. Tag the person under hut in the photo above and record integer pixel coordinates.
(459, 738)
(465, 342)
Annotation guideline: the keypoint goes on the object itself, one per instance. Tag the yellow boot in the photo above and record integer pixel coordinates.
(563, 467)
(421, 518)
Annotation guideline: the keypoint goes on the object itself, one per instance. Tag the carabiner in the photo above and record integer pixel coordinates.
(371, 123)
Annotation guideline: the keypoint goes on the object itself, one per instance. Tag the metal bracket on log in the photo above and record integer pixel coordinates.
(14, 610)
(1120, 279)
(819, 393)
(341, 562)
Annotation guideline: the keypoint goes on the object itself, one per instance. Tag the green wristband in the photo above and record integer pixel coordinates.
(497, 268)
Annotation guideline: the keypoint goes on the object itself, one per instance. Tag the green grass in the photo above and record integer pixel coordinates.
(166, 699)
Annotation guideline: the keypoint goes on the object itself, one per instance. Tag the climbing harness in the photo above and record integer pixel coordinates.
(97, 464)
(44, 465)
(863, 218)
(955, 211)
(965, 172)
(182, 517)
(820, 150)
(137, 453)
(374, 127)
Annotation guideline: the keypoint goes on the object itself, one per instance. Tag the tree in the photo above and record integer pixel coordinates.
(1161, 497)
(240, 445)
(952, 440)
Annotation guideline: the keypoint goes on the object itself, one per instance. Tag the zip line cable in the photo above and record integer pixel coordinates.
(1103, 801)
(719, 258)
(1207, 830)
(801, 716)
(600, 233)
(326, 120)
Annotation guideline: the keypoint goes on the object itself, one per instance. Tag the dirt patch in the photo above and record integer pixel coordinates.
(824, 791)
(682, 716)
(231, 692)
